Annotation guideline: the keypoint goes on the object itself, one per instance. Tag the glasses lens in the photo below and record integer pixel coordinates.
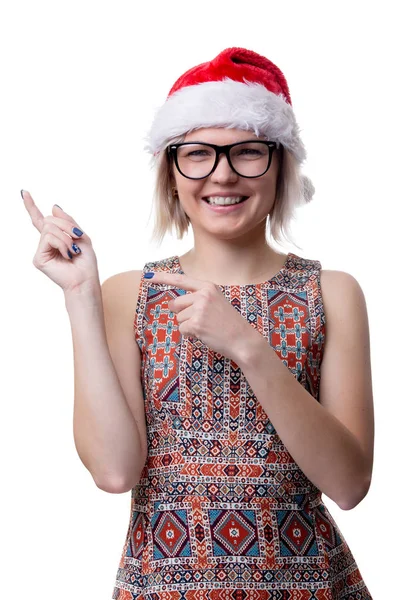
(250, 159)
(195, 160)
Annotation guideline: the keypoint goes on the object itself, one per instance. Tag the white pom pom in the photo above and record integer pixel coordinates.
(308, 188)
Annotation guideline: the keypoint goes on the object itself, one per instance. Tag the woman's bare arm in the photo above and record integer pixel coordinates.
(331, 440)
(110, 440)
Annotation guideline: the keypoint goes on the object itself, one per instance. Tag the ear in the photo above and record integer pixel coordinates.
(171, 177)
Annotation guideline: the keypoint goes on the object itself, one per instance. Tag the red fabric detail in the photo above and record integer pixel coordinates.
(238, 64)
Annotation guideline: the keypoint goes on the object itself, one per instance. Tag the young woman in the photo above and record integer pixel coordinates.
(230, 387)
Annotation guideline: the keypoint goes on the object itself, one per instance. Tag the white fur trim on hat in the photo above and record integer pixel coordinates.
(230, 104)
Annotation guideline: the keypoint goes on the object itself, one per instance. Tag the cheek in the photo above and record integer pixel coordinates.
(262, 189)
(267, 187)
(189, 189)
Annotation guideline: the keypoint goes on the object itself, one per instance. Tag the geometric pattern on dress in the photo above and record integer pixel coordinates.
(296, 534)
(325, 529)
(136, 541)
(233, 532)
(222, 511)
(170, 533)
(290, 327)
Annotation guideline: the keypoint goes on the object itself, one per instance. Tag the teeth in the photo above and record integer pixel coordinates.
(222, 201)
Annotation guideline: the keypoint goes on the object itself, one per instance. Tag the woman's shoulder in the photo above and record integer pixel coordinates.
(339, 290)
(123, 281)
(338, 283)
(124, 288)
(342, 296)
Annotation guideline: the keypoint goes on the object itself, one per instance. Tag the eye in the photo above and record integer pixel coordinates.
(250, 151)
(198, 153)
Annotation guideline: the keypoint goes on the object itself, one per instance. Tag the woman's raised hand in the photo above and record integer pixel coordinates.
(57, 238)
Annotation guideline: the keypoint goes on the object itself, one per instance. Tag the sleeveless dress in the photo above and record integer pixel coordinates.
(222, 511)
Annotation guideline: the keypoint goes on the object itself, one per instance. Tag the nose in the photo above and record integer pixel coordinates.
(223, 172)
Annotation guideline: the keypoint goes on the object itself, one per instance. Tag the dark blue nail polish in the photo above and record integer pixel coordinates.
(76, 249)
(148, 275)
(70, 254)
(77, 231)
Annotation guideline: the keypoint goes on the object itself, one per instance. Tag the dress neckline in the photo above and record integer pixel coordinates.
(289, 257)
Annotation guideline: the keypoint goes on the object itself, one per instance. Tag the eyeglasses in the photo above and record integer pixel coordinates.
(248, 159)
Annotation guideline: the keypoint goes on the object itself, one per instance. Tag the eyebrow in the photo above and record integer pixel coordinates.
(214, 144)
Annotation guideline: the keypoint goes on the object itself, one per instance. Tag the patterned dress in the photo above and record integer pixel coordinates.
(222, 511)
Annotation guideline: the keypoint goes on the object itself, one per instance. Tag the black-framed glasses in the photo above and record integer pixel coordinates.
(197, 160)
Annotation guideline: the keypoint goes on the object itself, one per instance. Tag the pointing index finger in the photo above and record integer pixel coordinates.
(35, 214)
(178, 280)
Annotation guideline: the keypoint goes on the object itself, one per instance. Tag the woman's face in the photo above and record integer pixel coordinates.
(225, 182)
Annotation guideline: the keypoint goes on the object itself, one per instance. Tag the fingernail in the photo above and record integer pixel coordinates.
(148, 275)
(77, 231)
(76, 249)
(22, 194)
(70, 254)
(58, 206)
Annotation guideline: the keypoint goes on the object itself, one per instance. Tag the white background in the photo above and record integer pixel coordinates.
(80, 81)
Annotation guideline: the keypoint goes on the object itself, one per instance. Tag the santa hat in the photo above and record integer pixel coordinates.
(237, 89)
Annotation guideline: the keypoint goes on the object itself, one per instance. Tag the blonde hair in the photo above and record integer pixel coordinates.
(291, 191)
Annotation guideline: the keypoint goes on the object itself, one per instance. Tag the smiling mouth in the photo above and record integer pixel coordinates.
(222, 203)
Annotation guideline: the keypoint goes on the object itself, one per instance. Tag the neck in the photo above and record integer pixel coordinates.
(227, 262)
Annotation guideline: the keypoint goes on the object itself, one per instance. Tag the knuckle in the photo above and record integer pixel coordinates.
(208, 291)
(47, 230)
(47, 226)
(196, 326)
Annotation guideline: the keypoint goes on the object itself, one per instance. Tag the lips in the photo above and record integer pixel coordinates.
(207, 199)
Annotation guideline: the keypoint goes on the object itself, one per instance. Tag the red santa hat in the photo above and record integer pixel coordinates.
(237, 89)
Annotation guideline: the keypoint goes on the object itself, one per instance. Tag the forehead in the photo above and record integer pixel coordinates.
(220, 135)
